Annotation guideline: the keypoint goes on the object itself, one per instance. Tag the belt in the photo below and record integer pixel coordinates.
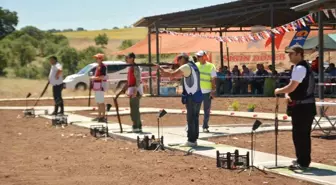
(306, 101)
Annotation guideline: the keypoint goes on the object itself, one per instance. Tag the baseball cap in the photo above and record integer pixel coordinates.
(294, 49)
(99, 56)
(183, 55)
(200, 53)
(130, 55)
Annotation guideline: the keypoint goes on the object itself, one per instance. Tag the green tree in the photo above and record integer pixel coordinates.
(25, 53)
(101, 39)
(8, 22)
(86, 55)
(115, 28)
(80, 29)
(126, 44)
(33, 32)
(3, 62)
(69, 58)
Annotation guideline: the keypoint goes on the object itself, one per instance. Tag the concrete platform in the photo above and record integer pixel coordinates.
(173, 136)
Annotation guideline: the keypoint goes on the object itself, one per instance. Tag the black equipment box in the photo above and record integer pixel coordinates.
(232, 160)
(29, 113)
(99, 131)
(59, 120)
(150, 143)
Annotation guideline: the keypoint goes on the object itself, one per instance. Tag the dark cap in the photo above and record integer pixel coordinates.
(294, 49)
(130, 55)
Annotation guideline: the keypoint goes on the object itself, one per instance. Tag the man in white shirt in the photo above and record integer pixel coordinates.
(301, 105)
(208, 85)
(192, 95)
(56, 80)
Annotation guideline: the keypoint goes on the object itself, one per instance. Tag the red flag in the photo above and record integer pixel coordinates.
(310, 17)
(277, 40)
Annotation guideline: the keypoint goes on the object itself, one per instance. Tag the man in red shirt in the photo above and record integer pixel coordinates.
(134, 92)
(99, 86)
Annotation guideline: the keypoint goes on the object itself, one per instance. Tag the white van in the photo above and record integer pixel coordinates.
(117, 76)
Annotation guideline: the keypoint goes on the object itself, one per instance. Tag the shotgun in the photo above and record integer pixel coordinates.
(44, 90)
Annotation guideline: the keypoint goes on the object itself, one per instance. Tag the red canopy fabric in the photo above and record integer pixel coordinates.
(178, 44)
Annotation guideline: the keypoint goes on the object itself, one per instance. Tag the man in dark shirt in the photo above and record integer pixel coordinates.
(260, 78)
(301, 105)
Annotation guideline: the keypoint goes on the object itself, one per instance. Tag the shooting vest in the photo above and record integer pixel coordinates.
(100, 85)
(305, 90)
(205, 75)
(191, 85)
(303, 100)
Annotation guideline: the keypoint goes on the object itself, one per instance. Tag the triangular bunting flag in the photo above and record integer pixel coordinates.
(310, 17)
(280, 30)
(293, 26)
(299, 24)
(303, 23)
(275, 31)
(333, 11)
(326, 13)
(284, 28)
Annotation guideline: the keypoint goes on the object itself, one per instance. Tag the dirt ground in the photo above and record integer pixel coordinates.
(34, 152)
(323, 150)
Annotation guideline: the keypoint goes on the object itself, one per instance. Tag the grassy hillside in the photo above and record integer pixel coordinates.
(118, 34)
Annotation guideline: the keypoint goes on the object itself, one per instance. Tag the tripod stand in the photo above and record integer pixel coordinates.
(256, 125)
(160, 139)
(276, 132)
(108, 107)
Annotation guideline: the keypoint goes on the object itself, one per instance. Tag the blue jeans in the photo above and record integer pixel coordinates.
(206, 108)
(193, 110)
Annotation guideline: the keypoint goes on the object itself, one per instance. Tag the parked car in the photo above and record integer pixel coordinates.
(117, 76)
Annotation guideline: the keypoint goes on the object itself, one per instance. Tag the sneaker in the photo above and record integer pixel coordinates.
(95, 119)
(205, 130)
(102, 120)
(296, 166)
(189, 144)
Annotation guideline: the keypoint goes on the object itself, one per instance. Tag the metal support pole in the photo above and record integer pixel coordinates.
(221, 49)
(157, 58)
(273, 39)
(150, 61)
(321, 55)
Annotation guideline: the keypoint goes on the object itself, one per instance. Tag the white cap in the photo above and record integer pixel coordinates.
(200, 53)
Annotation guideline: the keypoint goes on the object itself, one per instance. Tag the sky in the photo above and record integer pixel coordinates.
(94, 14)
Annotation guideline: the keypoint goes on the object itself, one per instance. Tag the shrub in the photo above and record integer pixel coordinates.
(235, 105)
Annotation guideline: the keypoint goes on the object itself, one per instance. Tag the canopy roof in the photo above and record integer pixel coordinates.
(329, 41)
(241, 13)
(315, 5)
(177, 44)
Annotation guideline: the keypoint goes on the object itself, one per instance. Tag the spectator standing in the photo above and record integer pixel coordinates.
(260, 78)
(246, 79)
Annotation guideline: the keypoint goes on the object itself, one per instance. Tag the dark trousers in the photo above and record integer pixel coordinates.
(135, 112)
(57, 93)
(206, 108)
(193, 110)
(302, 124)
